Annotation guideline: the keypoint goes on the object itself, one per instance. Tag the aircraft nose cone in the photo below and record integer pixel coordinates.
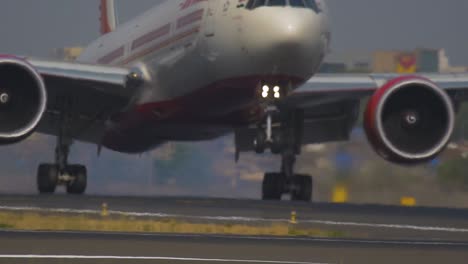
(296, 29)
(283, 26)
(285, 41)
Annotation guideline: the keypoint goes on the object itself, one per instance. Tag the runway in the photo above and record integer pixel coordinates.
(69, 247)
(355, 221)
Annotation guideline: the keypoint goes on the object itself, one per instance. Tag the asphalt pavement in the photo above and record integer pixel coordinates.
(60, 247)
(373, 233)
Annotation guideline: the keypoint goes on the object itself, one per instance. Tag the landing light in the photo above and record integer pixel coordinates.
(266, 89)
(277, 95)
(265, 94)
(276, 89)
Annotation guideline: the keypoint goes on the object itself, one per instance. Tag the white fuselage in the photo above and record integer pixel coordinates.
(210, 56)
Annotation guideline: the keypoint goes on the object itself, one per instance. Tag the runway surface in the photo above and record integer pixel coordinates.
(60, 247)
(356, 221)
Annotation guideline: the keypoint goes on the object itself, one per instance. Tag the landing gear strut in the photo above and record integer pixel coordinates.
(73, 177)
(285, 141)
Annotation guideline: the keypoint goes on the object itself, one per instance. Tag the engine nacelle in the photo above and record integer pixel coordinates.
(409, 120)
(23, 99)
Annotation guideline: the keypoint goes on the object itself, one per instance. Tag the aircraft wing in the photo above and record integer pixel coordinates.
(327, 88)
(331, 106)
(87, 95)
(408, 118)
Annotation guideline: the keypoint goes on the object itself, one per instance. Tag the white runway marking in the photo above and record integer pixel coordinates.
(151, 258)
(391, 226)
(243, 219)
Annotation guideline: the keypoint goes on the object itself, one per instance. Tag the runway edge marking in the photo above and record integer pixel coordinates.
(242, 219)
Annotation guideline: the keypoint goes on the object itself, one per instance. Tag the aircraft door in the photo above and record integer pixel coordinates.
(210, 18)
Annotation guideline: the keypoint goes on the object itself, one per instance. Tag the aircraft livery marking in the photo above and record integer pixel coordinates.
(190, 18)
(188, 3)
(161, 45)
(112, 56)
(153, 35)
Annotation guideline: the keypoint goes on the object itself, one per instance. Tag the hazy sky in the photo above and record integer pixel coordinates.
(32, 27)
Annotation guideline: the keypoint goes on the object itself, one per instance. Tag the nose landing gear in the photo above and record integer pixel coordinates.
(299, 186)
(265, 137)
(284, 140)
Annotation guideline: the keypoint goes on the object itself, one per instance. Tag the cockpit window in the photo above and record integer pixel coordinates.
(296, 3)
(255, 3)
(276, 2)
(312, 4)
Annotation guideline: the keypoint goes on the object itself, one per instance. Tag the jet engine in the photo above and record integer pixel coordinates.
(23, 99)
(409, 120)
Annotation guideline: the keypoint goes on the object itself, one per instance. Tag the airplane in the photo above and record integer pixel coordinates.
(195, 70)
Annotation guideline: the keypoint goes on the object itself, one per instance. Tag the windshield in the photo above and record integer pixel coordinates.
(312, 4)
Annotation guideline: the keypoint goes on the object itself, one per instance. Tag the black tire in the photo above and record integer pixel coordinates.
(273, 186)
(78, 185)
(260, 142)
(277, 145)
(47, 178)
(304, 190)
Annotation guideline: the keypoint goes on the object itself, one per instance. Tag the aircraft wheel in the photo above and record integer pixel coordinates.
(47, 178)
(277, 145)
(78, 184)
(260, 142)
(273, 186)
(303, 188)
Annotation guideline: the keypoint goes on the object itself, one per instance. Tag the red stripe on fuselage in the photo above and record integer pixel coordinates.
(160, 45)
(154, 35)
(190, 18)
(151, 36)
(189, 3)
(112, 56)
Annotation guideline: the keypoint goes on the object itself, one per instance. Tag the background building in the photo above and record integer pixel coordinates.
(445, 67)
(420, 60)
(67, 53)
(347, 62)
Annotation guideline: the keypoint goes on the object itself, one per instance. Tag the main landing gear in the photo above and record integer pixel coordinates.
(286, 141)
(73, 177)
(49, 176)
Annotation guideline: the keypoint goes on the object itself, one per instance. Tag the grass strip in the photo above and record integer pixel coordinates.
(62, 222)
